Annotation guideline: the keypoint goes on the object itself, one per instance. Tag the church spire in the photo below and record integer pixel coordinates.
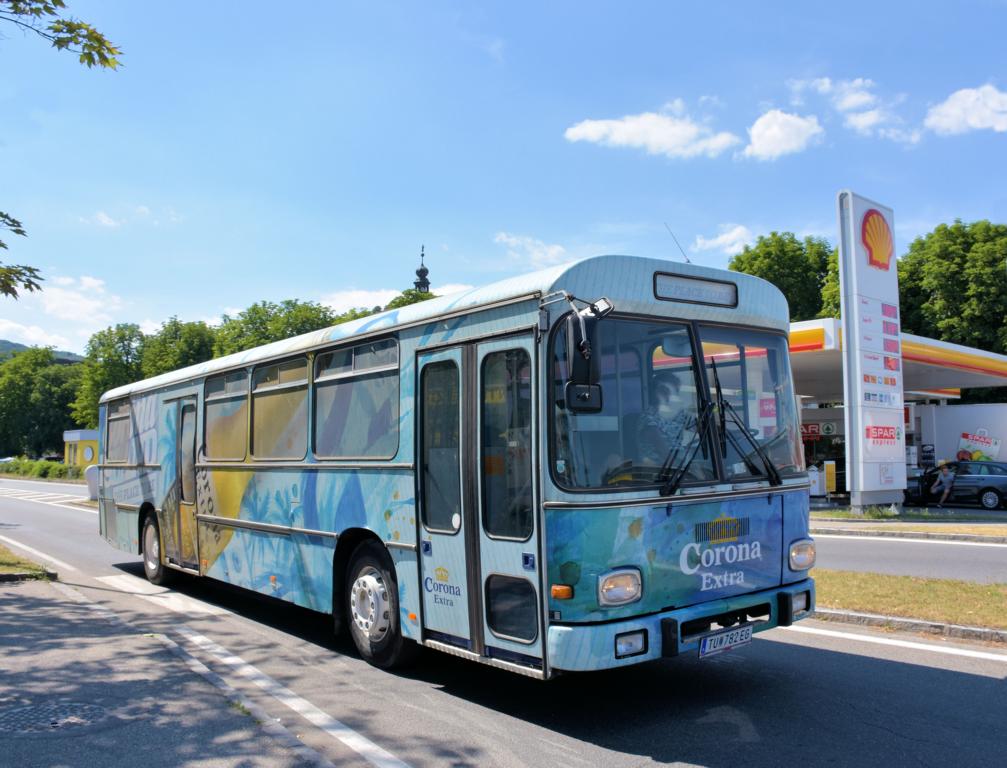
(421, 283)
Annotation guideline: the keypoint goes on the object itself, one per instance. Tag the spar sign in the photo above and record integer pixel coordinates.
(978, 446)
(872, 351)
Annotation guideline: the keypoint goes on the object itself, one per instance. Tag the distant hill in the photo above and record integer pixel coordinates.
(9, 347)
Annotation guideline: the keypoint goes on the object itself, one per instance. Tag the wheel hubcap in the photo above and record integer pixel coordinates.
(369, 604)
(151, 549)
(990, 500)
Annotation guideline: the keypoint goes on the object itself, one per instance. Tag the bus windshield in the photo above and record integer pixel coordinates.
(660, 418)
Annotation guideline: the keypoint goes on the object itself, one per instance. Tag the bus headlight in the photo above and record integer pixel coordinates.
(802, 554)
(620, 587)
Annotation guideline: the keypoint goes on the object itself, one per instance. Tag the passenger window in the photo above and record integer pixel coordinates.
(187, 453)
(511, 608)
(357, 402)
(440, 445)
(117, 434)
(280, 410)
(506, 444)
(225, 416)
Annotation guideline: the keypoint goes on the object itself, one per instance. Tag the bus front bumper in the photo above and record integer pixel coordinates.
(581, 648)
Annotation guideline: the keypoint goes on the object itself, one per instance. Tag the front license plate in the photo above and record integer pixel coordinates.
(724, 640)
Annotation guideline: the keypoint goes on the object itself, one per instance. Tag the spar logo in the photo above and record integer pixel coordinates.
(716, 549)
(876, 236)
(883, 435)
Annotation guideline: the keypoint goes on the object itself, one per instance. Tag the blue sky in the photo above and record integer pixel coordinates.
(243, 154)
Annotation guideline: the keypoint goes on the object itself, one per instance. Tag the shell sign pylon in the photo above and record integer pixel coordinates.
(877, 238)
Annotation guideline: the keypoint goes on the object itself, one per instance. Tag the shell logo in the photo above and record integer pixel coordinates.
(877, 238)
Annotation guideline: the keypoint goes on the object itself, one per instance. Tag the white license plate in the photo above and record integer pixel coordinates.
(724, 640)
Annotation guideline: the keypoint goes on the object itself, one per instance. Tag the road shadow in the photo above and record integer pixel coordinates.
(768, 704)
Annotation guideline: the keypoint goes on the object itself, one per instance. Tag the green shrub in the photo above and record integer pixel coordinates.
(41, 468)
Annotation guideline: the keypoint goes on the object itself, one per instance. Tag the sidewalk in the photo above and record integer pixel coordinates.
(77, 688)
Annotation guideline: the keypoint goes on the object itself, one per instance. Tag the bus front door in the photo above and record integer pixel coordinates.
(178, 462)
(479, 538)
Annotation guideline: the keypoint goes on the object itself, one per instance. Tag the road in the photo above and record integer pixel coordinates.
(969, 561)
(815, 694)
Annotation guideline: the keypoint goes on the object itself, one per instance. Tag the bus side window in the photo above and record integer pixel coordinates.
(357, 402)
(440, 447)
(506, 444)
(280, 410)
(117, 442)
(226, 416)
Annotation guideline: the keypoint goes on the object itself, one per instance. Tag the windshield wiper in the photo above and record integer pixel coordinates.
(676, 473)
(726, 409)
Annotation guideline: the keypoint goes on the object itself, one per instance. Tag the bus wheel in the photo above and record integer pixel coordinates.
(372, 608)
(152, 565)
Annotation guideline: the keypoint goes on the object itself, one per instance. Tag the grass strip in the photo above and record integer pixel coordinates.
(914, 515)
(11, 563)
(944, 600)
(979, 530)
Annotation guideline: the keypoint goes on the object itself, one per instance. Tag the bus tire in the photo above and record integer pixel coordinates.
(153, 567)
(372, 608)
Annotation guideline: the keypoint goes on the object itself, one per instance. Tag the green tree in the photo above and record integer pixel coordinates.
(831, 298)
(409, 296)
(176, 345)
(35, 397)
(798, 268)
(113, 358)
(45, 18)
(953, 285)
(15, 276)
(265, 322)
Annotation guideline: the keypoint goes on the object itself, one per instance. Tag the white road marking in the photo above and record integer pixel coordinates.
(360, 744)
(48, 499)
(161, 596)
(900, 539)
(1001, 657)
(41, 555)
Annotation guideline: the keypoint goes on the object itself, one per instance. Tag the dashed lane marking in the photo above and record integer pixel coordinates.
(360, 744)
(161, 596)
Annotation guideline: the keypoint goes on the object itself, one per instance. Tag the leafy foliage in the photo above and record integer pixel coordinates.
(35, 397)
(16, 277)
(266, 322)
(44, 18)
(798, 268)
(114, 358)
(176, 345)
(409, 296)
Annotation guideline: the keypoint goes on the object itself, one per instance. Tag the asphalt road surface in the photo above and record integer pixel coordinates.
(815, 694)
(968, 561)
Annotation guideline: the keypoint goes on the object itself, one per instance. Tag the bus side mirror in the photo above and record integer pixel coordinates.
(582, 398)
(583, 392)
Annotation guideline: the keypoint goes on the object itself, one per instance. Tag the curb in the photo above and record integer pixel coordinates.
(28, 576)
(912, 625)
(914, 535)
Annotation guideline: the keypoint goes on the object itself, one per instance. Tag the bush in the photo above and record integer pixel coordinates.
(39, 468)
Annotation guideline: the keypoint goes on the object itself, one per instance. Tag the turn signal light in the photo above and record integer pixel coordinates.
(562, 592)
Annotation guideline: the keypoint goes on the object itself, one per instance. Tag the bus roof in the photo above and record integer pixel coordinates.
(629, 281)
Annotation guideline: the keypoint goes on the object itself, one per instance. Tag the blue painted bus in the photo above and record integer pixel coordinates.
(587, 467)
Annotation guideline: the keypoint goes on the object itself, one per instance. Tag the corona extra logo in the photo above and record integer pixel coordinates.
(877, 238)
(441, 574)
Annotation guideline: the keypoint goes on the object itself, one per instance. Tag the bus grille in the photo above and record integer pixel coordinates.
(722, 529)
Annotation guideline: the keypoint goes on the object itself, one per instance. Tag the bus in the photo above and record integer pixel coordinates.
(493, 474)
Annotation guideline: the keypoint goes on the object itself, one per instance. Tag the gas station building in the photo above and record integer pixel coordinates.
(934, 373)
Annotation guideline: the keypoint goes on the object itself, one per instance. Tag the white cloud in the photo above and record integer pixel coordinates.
(863, 111)
(31, 335)
(101, 219)
(82, 299)
(969, 109)
(778, 133)
(343, 301)
(149, 326)
(865, 122)
(672, 133)
(142, 210)
(531, 252)
(731, 240)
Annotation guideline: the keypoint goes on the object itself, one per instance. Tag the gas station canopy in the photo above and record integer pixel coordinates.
(931, 369)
